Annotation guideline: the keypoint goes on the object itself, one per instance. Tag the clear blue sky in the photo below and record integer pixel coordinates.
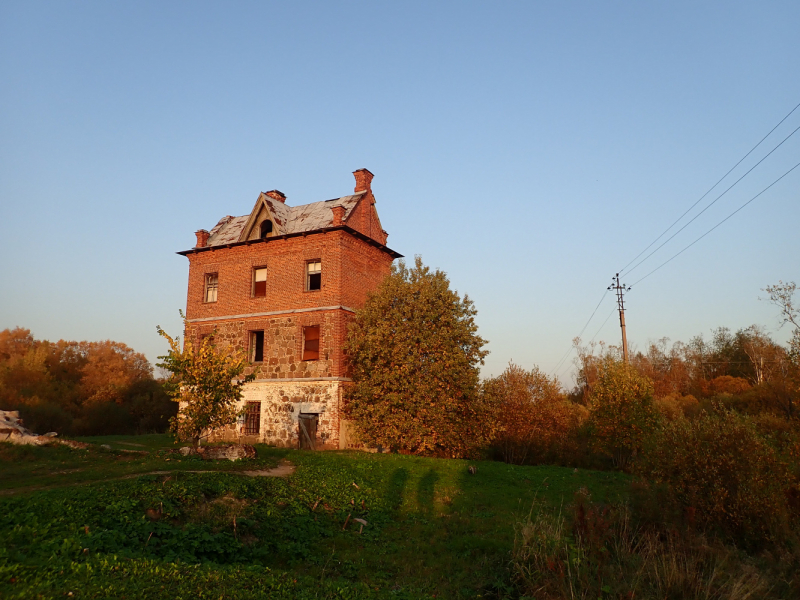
(528, 149)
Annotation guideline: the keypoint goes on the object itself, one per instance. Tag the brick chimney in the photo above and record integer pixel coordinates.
(338, 215)
(276, 195)
(202, 238)
(363, 180)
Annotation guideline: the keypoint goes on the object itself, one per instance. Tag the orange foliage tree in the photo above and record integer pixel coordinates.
(534, 416)
(89, 388)
(414, 351)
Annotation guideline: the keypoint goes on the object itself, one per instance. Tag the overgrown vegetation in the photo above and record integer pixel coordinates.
(415, 353)
(589, 550)
(707, 433)
(206, 382)
(433, 529)
(80, 388)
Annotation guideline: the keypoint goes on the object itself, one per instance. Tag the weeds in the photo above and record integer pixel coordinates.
(590, 551)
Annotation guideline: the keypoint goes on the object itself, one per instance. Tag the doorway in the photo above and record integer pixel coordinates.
(308, 430)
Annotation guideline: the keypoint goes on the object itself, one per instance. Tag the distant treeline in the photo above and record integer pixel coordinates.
(710, 426)
(746, 372)
(80, 388)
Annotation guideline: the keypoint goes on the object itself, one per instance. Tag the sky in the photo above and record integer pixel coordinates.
(528, 149)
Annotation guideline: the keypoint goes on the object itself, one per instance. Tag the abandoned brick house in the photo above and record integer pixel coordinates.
(281, 283)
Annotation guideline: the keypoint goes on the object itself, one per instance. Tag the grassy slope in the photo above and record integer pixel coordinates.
(36, 467)
(433, 528)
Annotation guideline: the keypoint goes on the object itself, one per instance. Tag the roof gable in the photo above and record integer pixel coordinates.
(285, 219)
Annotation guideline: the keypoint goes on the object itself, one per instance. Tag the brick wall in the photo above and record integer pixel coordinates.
(350, 269)
(285, 384)
(285, 260)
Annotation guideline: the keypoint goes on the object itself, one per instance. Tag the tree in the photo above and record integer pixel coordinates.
(535, 418)
(782, 295)
(206, 383)
(621, 410)
(414, 352)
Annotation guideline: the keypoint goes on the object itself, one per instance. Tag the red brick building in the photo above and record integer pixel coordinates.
(281, 284)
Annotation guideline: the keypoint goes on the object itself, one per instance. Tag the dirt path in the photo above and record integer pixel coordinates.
(284, 469)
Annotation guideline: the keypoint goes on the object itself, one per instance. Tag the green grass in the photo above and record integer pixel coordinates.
(41, 467)
(433, 529)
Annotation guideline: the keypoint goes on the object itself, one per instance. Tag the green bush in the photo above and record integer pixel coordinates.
(723, 473)
(106, 418)
(43, 417)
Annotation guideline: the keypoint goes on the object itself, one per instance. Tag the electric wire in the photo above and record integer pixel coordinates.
(711, 188)
(713, 202)
(563, 358)
(717, 225)
(613, 310)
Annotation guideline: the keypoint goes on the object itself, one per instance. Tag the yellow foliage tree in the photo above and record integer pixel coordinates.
(207, 384)
(621, 412)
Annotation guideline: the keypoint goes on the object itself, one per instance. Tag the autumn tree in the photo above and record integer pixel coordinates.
(207, 384)
(83, 388)
(534, 416)
(782, 296)
(621, 412)
(415, 351)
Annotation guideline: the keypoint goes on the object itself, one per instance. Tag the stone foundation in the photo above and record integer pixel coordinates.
(282, 402)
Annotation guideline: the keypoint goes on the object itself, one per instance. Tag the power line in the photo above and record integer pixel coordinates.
(718, 224)
(712, 187)
(563, 358)
(613, 310)
(714, 201)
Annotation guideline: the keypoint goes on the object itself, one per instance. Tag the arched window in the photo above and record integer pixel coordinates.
(266, 228)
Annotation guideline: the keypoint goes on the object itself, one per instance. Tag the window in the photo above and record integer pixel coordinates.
(212, 284)
(257, 346)
(252, 419)
(266, 228)
(313, 275)
(260, 282)
(311, 342)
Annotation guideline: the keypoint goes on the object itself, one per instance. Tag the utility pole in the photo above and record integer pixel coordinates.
(620, 290)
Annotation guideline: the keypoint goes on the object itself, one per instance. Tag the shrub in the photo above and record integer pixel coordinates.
(592, 551)
(621, 411)
(722, 471)
(43, 417)
(538, 423)
(104, 418)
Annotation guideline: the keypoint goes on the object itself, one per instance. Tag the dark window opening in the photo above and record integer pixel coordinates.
(311, 342)
(257, 346)
(252, 419)
(260, 283)
(266, 228)
(313, 275)
(212, 286)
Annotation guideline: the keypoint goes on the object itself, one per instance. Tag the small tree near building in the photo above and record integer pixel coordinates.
(414, 350)
(206, 382)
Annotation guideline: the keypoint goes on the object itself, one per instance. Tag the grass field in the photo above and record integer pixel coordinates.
(93, 523)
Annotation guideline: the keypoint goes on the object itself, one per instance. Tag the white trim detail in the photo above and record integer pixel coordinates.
(271, 313)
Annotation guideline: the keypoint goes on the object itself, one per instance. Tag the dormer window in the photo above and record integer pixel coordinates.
(266, 228)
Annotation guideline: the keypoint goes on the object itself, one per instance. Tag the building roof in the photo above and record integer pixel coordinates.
(289, 219)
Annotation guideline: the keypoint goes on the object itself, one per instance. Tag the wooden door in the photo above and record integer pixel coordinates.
(308, 431)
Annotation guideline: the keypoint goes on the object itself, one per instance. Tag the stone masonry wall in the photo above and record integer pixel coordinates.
(281, 404)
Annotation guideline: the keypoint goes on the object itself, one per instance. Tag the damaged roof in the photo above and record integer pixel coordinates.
(289, 219)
